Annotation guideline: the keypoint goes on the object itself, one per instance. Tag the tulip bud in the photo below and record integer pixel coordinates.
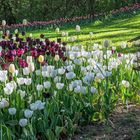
(24, 21)
(7, 32)
(125, 83)
(106, 43)
(63, 34)
(123, 45)
(31, 67)
(29, 59)
(78, 28)
(56, 58)
(23, 122)
(66, 34)
(1, 32)
(57, 30)
(91, 34)
(31, 35)
(12, 111)
(12, 68)
(4, 103)
(3, 22)
(16, 31)
(130, 44)
(41, 58)
(113, 48)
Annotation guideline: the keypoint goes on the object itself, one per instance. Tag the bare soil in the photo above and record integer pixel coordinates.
(125, 125)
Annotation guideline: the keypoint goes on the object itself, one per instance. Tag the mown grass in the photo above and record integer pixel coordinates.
(116, 30)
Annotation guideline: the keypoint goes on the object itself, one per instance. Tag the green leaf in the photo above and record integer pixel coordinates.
(12, 122)
(50, 135)
(58, 130)
(5, 133)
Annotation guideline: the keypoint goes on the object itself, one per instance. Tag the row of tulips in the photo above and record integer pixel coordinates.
(56, 22)
(49, 88)
(15, 47)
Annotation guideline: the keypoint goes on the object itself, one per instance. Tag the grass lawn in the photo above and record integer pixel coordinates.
(116, 30)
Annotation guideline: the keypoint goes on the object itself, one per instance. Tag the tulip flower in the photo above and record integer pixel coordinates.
(31, 67)
(12, 68)
(23, 122)
(41, 58)
(106, 43)
(78, 28)
(12, 111)
(16, 31)
(3, 23)
(57, 30)
(29, 59)
(24, 22)
(56, 58)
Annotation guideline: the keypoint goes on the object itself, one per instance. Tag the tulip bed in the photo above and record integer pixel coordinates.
(49, 88)
(117, 30)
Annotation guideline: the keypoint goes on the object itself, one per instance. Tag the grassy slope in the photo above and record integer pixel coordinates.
(116, 30)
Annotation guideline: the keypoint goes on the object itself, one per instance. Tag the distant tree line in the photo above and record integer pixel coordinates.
(13, 11)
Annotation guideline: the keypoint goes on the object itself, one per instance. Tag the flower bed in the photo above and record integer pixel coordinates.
(49, 88)
(58, 22)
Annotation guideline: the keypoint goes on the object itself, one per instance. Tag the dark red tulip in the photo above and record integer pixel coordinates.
(23, 63)
(20, 52)
(5, 66)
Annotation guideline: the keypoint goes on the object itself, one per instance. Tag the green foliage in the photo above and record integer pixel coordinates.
(15, 11)
(5, 133)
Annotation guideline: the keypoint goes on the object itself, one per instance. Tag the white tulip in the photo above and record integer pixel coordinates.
(70, 75)
(16, 31)
(29, 59)
(4, 103)
(57, 79)
(63, 34)
(3, 76)
(23, 122)
(26, 71)
(20, 81)
(59, 85)
(83, 90)
(47, 85)
(66, 34)
(31, 35)
(125, 83)
(45, 74)
(40, 105)
(61, 71)
(93, 90)
(3, 22)
(24, 22)
(22, 93)
(12, 111)
(28, 81)
(91, 34)
(57, 30)
(77, 89)
(28, 113)
(39, 87)
(123, 45)
(7, 32)
(33, 106)
(78, 28)
(31, 67)
(9, 88)
(38, 72)
(8, 91)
